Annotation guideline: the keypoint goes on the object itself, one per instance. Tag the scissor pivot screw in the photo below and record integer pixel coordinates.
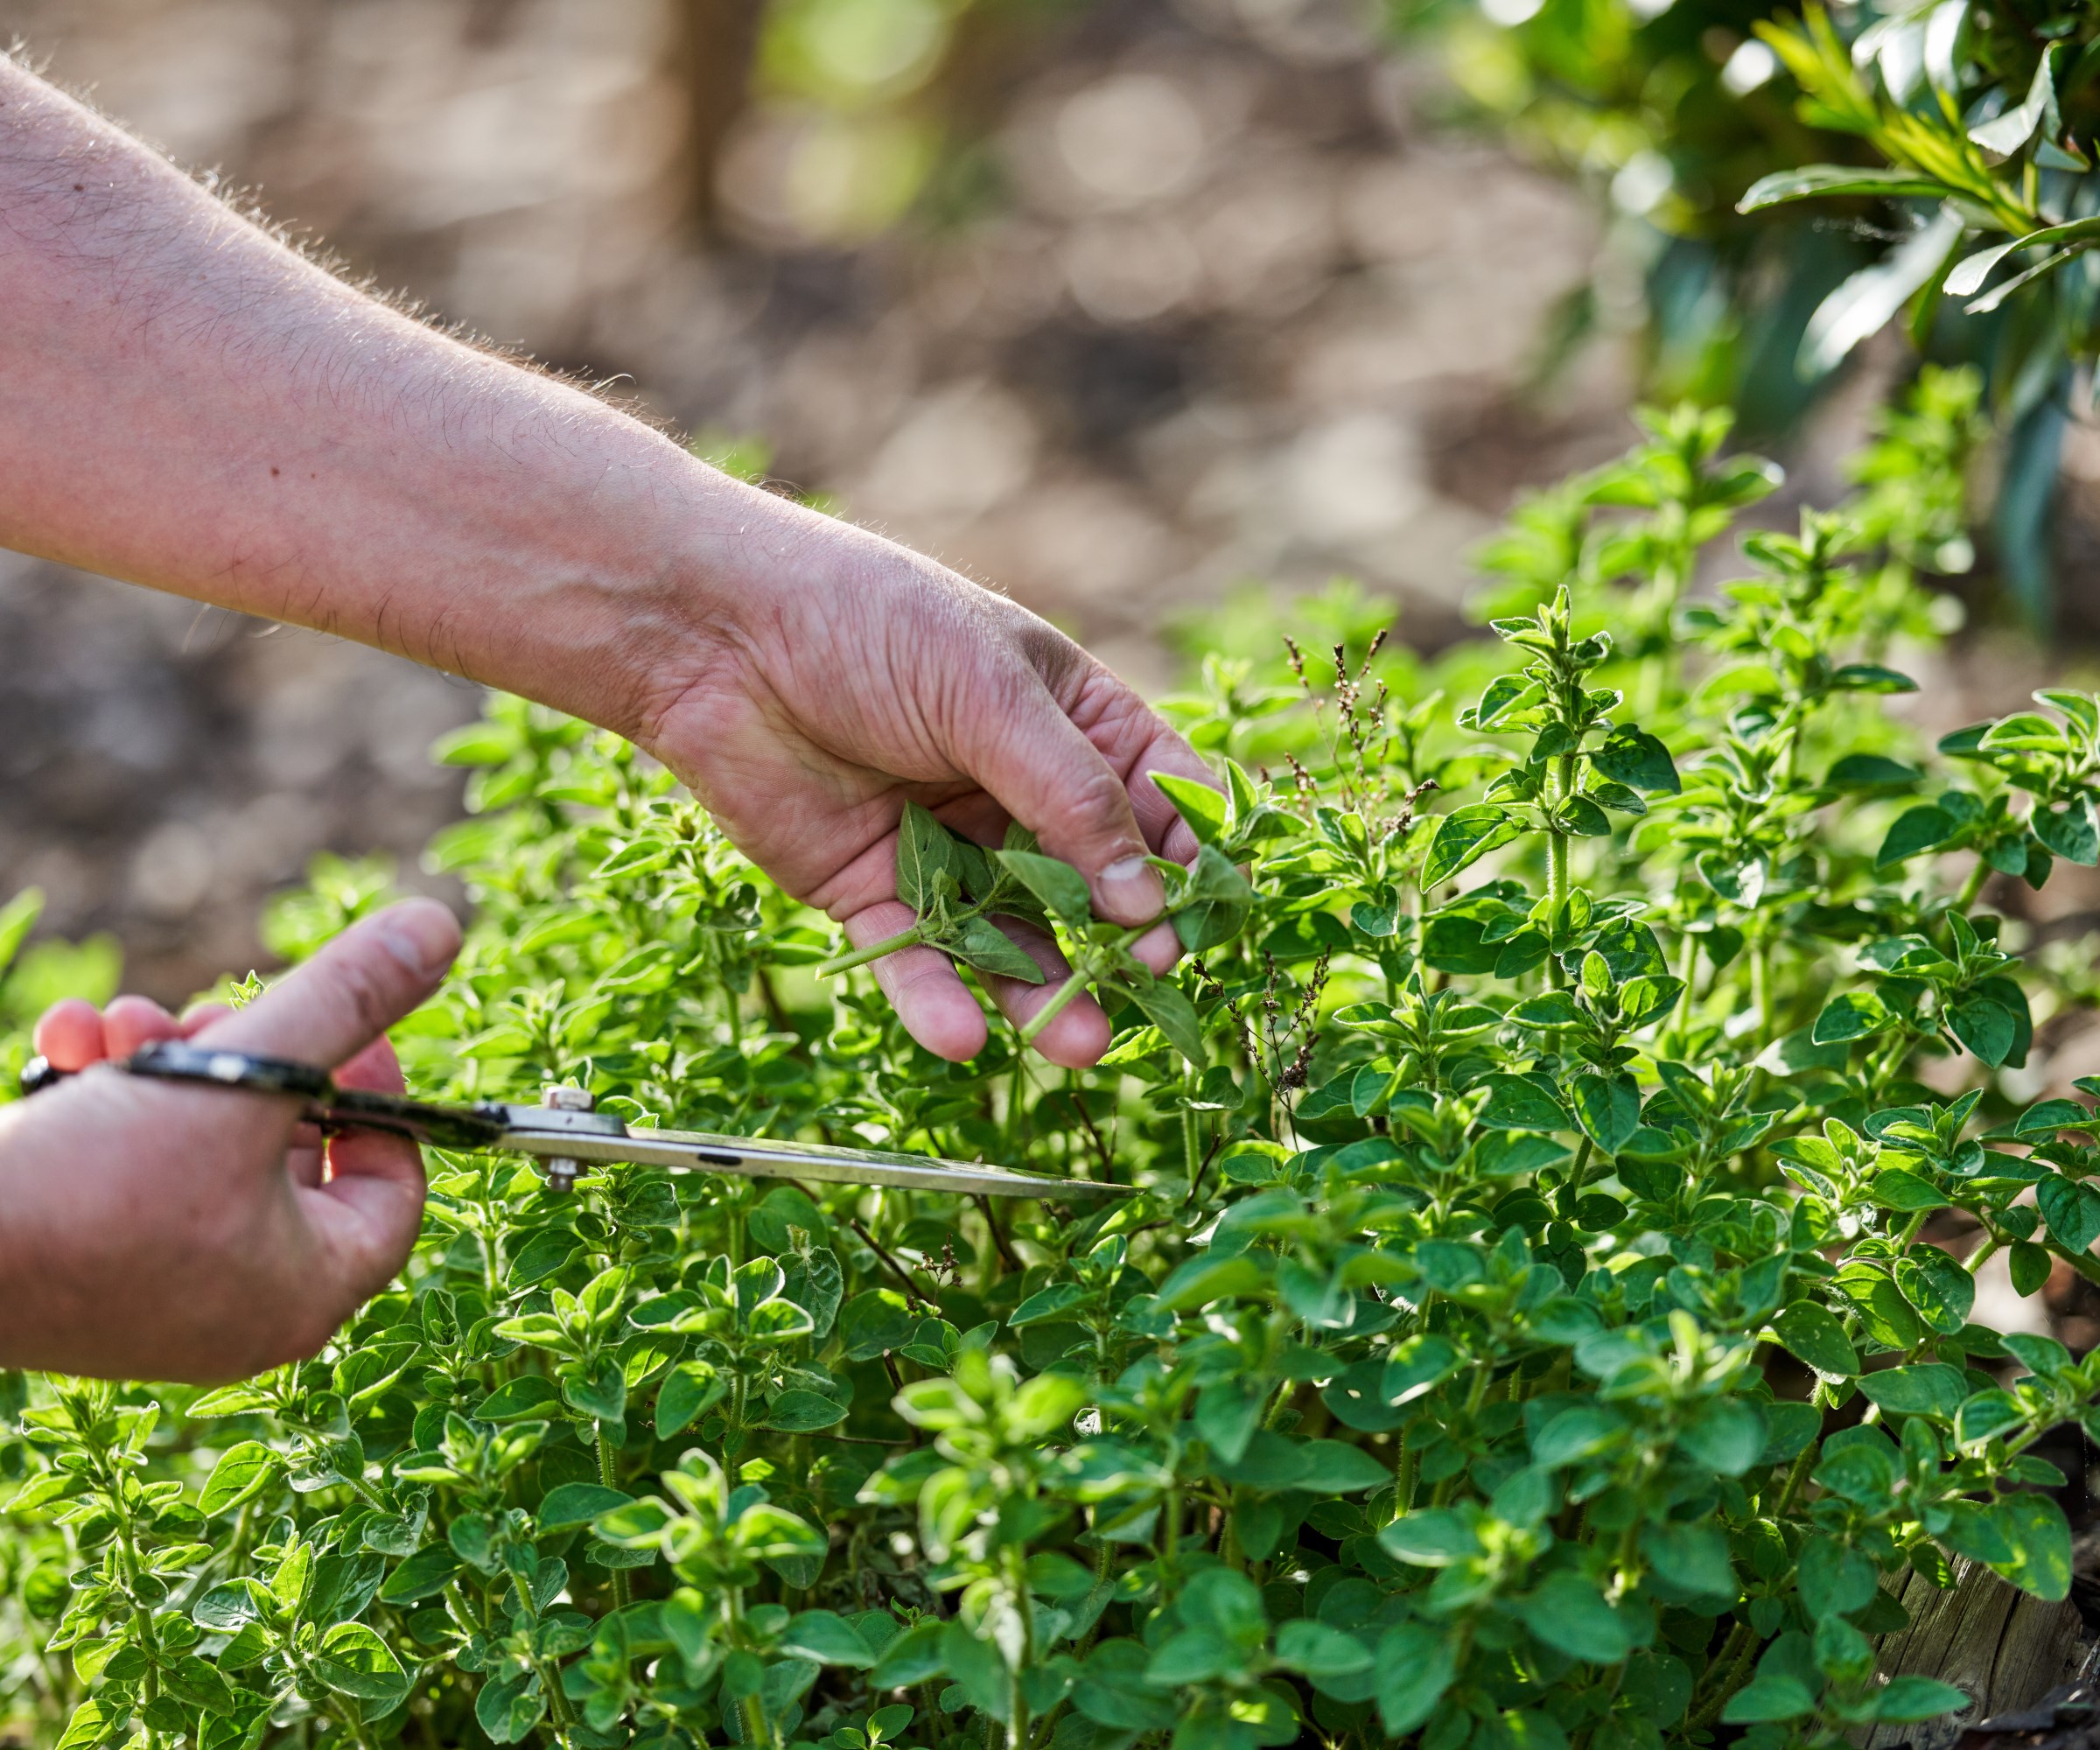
(560, 1171)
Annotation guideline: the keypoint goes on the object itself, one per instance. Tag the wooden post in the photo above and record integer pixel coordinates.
(2006, 1648)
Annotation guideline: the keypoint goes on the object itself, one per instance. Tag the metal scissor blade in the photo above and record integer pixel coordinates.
(563, 1137)
(595, 1137)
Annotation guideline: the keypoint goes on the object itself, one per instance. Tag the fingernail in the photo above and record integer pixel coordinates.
(422, 936)
(1130, 890)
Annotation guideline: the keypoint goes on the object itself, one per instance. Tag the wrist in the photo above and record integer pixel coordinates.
(745, 581)
(664, 585)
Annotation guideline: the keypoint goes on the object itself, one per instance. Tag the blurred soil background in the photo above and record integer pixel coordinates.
(1119, 307)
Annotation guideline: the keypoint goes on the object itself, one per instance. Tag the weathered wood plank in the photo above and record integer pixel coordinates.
(2007, 1649)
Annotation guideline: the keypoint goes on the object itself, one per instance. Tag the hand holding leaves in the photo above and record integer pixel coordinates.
(959, 888)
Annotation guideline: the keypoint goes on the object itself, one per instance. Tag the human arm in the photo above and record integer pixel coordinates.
(186, 403)
(161, 1232)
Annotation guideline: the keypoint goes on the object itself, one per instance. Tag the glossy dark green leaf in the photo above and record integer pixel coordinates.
(1570, 1616)
(2072, 1209)
(243, 1472)
(878, 1319)
(578, 1503)
(1167, 1007)
(1430, 1537)
(529, 1394)
(800, 1412)
(2040, 1538)
(1608, 1107)
(1986, 1416)
(2069, 831)
(1816, 1340)
(1768, 1698)
(828, 1638)
(1417, 1664)
(1216, 903)
(1849, 1015)
(1811, 181)
(1516, 1103)
(1635, 758)
(1919, 829)
(688, 1391)
(1694, 1558)
(1858, 772)
(1927, 1389)
(1985, 1027)
(1463, 837)
(1942, 1291)
(423, 1573)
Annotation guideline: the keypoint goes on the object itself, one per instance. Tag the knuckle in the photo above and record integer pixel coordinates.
(1060, 663)
(1098, 808)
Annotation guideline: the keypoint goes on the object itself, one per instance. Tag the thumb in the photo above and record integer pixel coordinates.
(1041, 768)
(348, 994)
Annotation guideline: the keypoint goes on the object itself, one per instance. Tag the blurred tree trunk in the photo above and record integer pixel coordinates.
(715, 48)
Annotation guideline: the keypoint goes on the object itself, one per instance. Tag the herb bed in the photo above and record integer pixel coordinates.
(1546, 1325)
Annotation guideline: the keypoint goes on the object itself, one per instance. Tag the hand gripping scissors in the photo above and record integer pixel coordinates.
(564, 1134)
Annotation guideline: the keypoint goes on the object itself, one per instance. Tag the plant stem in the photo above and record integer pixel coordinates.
(1083, 974)
(1558, 788)
(1191, 1140)
(608, 1473)
(1017, 1101)
(884, 1257)
(1688, 967)
(1799, 1474)
(1727, 1669)
(1016, 1582)
(874, 950)
(732, 1469)
(1973, 886)
(1069, 991)
(998, 1236)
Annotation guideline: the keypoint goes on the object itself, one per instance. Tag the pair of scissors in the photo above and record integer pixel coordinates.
(565, 1134)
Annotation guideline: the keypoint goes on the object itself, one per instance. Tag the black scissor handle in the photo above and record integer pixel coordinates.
(179, 1060)
(328, 1106)
(38, 1074)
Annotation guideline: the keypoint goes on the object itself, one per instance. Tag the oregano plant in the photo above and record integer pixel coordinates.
(1544, 1317)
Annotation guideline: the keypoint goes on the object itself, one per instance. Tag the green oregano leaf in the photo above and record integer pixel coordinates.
(924, 855)
(1059, 887)
(1635, 758)
(1464, 837)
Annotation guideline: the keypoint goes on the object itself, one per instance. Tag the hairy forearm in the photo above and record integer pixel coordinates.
(187, 403)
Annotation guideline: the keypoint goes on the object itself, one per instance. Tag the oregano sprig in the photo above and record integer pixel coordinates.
(957, 887)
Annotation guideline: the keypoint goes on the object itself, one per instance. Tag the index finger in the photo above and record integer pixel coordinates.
(332, 1006)
(1138, 742)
